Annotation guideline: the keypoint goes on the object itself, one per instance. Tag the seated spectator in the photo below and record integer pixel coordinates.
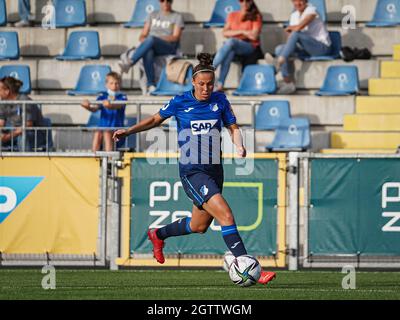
(160, 36)
(243, 30)
(11, 115)
(307, 36)
(112, 115)
(24, 11)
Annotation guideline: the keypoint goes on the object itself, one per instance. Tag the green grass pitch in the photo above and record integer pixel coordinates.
(193, 284)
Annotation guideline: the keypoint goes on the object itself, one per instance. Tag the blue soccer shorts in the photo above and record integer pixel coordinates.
(200, 187)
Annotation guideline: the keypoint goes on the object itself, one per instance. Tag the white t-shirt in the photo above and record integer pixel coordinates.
(316, 29)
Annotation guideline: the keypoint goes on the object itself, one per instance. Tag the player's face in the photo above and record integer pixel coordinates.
(299, 5)
(113, 84)
(166, 5)
(203, 85)
(4, 92)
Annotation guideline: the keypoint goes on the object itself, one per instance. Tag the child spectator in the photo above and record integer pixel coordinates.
(112, 116)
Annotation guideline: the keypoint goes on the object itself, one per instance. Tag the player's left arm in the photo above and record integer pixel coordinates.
(237, 140)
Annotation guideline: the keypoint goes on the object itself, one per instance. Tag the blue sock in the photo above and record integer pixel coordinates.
(180, 227)
(233, 240)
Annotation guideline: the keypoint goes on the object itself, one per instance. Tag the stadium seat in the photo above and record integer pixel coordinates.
(168, 88)
(91, 80)
(21, 72)
(336, 39)
(3, 13)
(70, 13)
(387, 14)
(142, 9)
(82, 45)
(340, 81)
(270, 113)
(9, 45)
(257, 80)
(221, 10)
(128, 143)
(292, 134)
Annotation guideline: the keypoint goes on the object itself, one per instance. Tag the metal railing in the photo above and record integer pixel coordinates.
(21, 144)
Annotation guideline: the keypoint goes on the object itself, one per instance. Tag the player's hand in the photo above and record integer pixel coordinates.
(85, 104)
(119, 134)
(241, 152)
(106, 104)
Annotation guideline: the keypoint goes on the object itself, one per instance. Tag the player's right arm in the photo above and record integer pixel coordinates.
(146, 124)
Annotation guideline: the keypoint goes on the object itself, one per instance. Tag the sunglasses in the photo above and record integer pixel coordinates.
(245, 0)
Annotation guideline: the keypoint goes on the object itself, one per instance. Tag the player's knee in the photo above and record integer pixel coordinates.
(200, 228)
(227, 219)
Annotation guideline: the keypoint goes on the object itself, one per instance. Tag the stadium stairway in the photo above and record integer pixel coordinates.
(374, 128)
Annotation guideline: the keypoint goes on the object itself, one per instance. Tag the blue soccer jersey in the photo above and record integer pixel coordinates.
(112, 118)
(199, 130)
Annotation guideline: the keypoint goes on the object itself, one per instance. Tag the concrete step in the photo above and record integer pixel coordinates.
(365, 140)
(114, 39)
(371, 122)
(384, 87)
(322, 111)
(50, 74)
(396, 54)
(390, 69)
(372, 105)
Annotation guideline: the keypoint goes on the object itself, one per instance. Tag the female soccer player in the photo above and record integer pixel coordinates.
(200, 116)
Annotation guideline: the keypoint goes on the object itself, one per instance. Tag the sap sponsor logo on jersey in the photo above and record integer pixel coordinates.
(14, 190)
(202, 126)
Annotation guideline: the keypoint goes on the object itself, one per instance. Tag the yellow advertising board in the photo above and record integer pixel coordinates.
(49, 205)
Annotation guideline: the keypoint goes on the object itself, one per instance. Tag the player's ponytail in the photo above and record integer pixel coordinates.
(205, 64)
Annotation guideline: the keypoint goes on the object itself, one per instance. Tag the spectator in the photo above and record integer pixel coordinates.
(243, 29)
(24, 11)
(160, 36)
(11, 115)
(112, 116)
(307, 36)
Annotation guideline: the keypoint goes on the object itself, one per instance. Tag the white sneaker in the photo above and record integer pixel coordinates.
(125, 63)
(150, 89)
(22, 24)
(287, 88)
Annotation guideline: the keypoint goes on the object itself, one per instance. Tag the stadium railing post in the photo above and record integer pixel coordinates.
(293, 210)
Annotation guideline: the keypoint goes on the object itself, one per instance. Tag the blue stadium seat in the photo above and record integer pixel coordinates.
(221, 10)
(82, 45)
(128, 143)
(257, 80)
(339, 81)
(70, 13)
(91, 80)
(336, 39)
(142, 9)
(3, 13)
(271, 113)
(387, 14)
(9, 45)
(21, 72)
(292, 134)
(168, 88)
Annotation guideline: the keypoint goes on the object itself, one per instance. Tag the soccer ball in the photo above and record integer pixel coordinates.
(245, 271)
(228, 259)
